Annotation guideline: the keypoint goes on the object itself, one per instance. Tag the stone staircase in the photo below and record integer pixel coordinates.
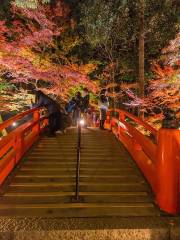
(43, 184)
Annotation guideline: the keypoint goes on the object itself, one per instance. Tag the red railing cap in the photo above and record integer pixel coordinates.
(137, 120)
(17, 117)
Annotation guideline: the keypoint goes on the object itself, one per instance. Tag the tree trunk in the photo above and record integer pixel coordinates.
(113, 88)
(141, 49)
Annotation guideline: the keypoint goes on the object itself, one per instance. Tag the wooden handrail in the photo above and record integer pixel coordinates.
(15, 118)
(138, 121)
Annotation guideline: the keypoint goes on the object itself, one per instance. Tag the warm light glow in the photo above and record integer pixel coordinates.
(82, 122)
(14, 124)
(122, 125)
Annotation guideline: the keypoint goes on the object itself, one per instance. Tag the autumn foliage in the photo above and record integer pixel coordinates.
(29, 50)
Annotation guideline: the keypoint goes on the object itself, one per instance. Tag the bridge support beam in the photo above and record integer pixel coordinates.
(168, 163)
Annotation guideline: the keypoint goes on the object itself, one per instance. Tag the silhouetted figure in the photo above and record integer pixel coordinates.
(103, 104)
(77, 108)
(85, 100)
(54, 113)
(169, 120)
(85, 105)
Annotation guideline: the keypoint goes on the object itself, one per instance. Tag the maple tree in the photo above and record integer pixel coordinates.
(30, 49)
(163, 90)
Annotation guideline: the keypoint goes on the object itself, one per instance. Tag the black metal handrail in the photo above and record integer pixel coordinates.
(78, 162)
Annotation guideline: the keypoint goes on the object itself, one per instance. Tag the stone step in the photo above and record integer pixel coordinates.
(61, 158)
(66, 175)
(73, 163)
(79, 209)
(55, 172)
(73, 154)
(51, 178)
(70, 167)
(84, 152)
(66, 197)
(70, 139)
(69, 186)
(85, 145)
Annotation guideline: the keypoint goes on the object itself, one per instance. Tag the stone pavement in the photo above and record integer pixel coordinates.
(109, 228)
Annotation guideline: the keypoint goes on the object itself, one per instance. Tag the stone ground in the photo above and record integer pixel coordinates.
(112, 228)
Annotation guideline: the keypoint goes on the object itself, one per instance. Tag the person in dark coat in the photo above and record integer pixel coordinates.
(85, 100)
(103, 104)
(85, 105)
(77, 108)
(52, 106)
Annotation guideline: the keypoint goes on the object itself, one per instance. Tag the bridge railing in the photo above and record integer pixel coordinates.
(157, 154)
(18, 141)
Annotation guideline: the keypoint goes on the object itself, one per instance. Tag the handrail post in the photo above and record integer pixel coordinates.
(121, 119)
(108, 119)
(36, 118)
(121, 116)
(167, 172)
(18, 146)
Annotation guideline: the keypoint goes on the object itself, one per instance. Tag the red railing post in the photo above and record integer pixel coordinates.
(36, 119)
(121, 116)
(167, 171)
(15, 148)
(18, 146)
(108, 120)
(121, 119)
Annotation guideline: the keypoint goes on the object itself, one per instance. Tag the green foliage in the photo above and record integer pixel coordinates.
(74, 90)
(4, 9)
(99, 20)
(5, 86)
(112, 30)
(29, 3)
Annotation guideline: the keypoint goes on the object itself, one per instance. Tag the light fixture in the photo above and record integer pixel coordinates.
(122, 125)
(81, 122)
(14, 124)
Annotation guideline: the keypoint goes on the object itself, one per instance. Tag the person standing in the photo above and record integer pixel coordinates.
(42, 100)
(70, 106)
(77, 107)
(85, 105)
(103, 104)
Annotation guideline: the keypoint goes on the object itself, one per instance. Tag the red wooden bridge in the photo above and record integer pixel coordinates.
(139, 175)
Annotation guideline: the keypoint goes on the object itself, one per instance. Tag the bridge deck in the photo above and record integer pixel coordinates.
(110, 183)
